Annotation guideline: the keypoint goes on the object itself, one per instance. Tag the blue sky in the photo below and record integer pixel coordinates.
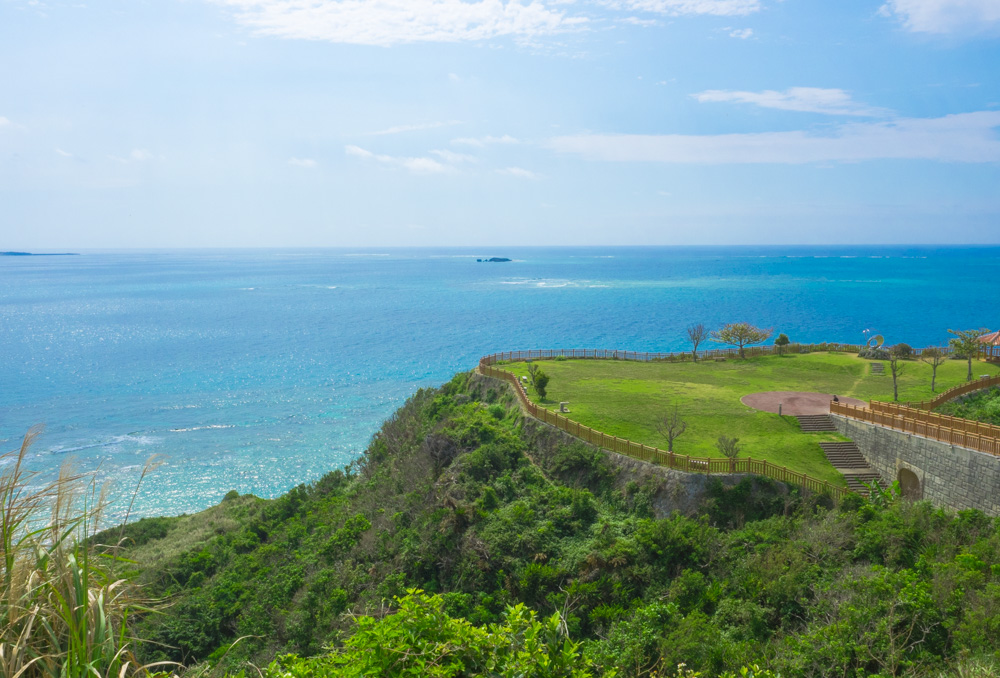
(206, 123)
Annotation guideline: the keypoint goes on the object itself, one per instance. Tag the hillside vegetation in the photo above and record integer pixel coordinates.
(535, 555)
(980, 405)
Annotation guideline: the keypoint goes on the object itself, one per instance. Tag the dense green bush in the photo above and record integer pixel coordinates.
(485, 511)
(904, 351)
(419, 638)
(981, 406)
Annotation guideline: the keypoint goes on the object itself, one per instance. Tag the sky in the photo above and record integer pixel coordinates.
(373, 123)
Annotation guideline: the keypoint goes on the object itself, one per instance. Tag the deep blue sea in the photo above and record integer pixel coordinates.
(258, 370)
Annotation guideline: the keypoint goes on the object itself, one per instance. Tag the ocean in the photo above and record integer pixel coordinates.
(257, 370)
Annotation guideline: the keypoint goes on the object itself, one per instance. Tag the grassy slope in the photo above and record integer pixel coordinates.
(624, 399)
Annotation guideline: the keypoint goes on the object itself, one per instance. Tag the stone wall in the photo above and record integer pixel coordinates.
(951, 477)
(671, 490)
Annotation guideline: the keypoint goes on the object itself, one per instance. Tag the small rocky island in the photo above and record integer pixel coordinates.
(494, 260)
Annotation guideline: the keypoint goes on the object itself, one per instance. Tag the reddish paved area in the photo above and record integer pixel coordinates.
(795, 402)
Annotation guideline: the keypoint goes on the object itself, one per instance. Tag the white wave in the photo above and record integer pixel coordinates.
(135, 439)
(201, 428)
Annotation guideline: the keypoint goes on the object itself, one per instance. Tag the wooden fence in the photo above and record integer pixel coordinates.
(900, 422)
(935, 419)
(958, 391)
(624, 446)
(675, 356)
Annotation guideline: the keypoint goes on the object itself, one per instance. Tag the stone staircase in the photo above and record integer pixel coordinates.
(878, 368)
(847, 458)
(816, 423)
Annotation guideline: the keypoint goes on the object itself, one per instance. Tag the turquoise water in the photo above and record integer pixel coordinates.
(258, 370)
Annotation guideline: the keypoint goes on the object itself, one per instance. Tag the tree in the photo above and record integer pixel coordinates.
(670, 425)
(697, 333)
(934, 357)
(781, 342)
(538, 379)
(966, 345)
(730, 448)
(740, 334)
(896, 357)
(541, 382)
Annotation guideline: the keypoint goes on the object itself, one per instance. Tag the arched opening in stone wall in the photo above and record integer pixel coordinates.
(909, 484)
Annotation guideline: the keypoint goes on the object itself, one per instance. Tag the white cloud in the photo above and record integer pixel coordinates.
(965, 137)
(358, 152)
(390, 22)
(137, 155)
(681, 7)
(454, 77)
(415, 128)
(415, 165)
(741, 33)
(420, 165)
(636, 21)
(4, 121)
(518, 172)
(946, 16)
(483, 142)
(454, 158)
(805, 99)
(65, 154)
(307, 163)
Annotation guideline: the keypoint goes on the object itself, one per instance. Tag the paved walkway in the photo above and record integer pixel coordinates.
(795, 402)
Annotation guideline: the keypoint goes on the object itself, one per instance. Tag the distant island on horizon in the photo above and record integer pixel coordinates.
(43, 254)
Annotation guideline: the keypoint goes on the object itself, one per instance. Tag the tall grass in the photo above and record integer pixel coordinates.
(63, 614)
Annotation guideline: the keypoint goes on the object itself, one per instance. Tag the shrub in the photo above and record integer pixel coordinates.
(421, 639)
(870, 353)
(904, 351)
(782, 342)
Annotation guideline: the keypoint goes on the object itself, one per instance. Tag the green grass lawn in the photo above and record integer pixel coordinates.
(625, 398)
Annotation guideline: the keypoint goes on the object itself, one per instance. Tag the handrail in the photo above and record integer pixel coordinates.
(952, 393)
(900, 422)
(670, 356)
(654, 455)
(641, 356)
(928, 417)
